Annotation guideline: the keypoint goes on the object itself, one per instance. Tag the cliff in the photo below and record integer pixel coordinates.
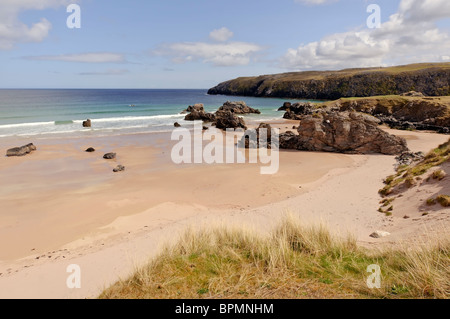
(432, 79)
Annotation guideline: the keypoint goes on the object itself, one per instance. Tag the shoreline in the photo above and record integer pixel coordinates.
(135, 227)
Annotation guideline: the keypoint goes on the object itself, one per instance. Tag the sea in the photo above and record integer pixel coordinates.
(61, 112)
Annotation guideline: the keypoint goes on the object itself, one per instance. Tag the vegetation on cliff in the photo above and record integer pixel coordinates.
(432, 79)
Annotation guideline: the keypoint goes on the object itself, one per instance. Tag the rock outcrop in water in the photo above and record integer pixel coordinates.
(229, 120)
(87, 123)
(238, 108)
(342, 132)
(21, 151)
(432, 79)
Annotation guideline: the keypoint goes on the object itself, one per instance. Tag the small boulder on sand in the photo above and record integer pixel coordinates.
(380, 234)
(90, 150)
(21, 151)
(119, 168)
(110, 156)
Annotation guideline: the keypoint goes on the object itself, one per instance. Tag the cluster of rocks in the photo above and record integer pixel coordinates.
(226, 116)
(109, 156)
(403, 124)
(342, 132)
(253, 139)
(298, 110)
(408, 158)
(21, 151)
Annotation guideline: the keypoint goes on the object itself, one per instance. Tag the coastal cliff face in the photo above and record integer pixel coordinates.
(432, 79)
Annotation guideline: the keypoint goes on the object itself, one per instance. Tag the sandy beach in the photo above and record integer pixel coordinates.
(63, 206)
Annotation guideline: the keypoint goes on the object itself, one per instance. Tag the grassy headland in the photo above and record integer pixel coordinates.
(331, 85)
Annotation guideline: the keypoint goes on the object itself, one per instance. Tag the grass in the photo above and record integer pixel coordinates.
(444, 200)
(407, 175)
(293, 261)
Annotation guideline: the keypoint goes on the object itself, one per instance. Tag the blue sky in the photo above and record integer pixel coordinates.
(197, 44)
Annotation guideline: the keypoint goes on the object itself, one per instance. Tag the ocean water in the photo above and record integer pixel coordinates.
(61, 112)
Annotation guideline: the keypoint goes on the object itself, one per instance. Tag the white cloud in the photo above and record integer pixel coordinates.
(13, 31)
(221, 35)
(409, 36)
(96, 57)
(218, 54)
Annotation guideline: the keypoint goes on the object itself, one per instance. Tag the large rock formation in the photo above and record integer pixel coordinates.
(252, 138)
(402, 112)
(21, 151)
(200, 116)
(238, 108)
(342, 132)
(228, 119)
(197, 113)
(432, 79)
(196, 107)
(298, 110)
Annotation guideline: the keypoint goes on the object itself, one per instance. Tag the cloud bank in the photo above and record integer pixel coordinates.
(410, 35)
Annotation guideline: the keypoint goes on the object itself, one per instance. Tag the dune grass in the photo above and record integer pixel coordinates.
(406, 175)
(293, 261)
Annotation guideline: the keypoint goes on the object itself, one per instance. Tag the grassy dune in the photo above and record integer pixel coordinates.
(293, 261)
(408, 174)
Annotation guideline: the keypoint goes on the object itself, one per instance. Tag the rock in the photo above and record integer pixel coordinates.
(21, 151)
(90, 150)
(110, 156)
(344, 132)
(238, 108)
(286, 106)
(289, 140)
(413, 94)
(251, 139)
(177, 124)
(200, 116)
(380, 234)
(119, 168)
(407, 158)
(87, 123)
(227, 119)
(196, 107)
(298, 110)
(205, 128)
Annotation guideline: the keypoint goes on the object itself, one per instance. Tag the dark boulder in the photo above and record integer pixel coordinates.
(259, 138)
(87, 123)
(227, 119)
(177, 124)
(238, 108)
(200, 116)
(119, 168)
(90, 150)
(21, 151)
(110, 156)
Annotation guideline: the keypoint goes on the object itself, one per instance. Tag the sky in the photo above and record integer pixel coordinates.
(200, 43)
